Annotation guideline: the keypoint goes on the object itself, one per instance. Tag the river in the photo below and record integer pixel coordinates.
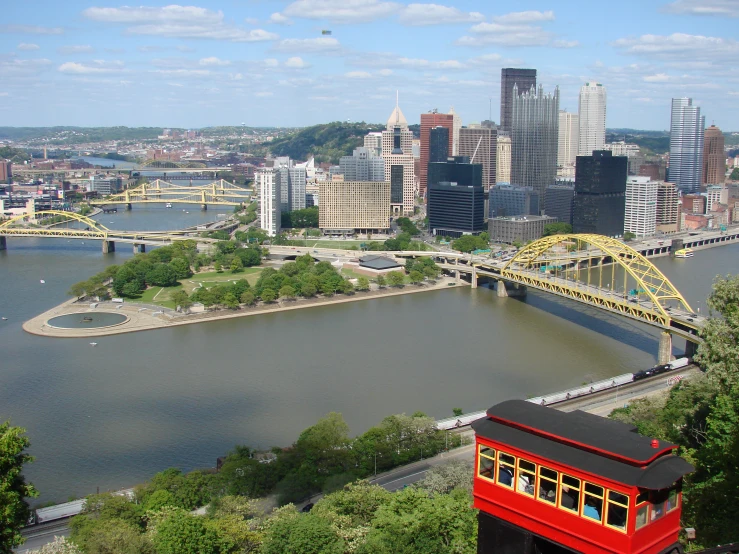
(111, 416)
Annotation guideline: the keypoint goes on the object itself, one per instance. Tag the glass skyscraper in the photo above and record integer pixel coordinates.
(686, 145)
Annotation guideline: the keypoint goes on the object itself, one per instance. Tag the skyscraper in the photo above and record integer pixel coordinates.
(363, 165)
(456, 126)
(439, 144)
(714, 157)
(567, 143)
(592, 118)
(534, 139)
(524, 79)
(397, 152)
(686, 145)
(600, 194)
(428, 121)
(479, 144)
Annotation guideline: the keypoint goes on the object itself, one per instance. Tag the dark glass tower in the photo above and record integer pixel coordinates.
(600, 194)
(509, 76)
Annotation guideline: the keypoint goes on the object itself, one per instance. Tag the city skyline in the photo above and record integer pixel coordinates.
(270, 63)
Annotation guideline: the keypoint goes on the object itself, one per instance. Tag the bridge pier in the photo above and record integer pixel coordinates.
(664, 355)
(3, 243)
(108, 246)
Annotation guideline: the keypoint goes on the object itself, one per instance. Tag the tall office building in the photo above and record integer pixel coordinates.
(592, 118)
(567, 143)
(600, 194)
(456, 199)
(354, 206)
(714, 157)
(373, 141)
(534, 139)
(640, 215)
(667, 217)
(686, 145)
(479, 144)
(397, 152)
(560, 200)
(429, 121)
(439, 144)
(503, 160)
(363, 165)
(523, 79)
(267, 182)
(456, 126)
(508, 200)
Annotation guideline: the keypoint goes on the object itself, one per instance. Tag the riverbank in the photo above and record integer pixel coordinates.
(154, 317)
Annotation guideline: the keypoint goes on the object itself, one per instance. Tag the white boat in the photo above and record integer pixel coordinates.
(684, 253)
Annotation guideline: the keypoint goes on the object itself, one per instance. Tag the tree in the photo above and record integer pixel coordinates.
(396, 278)
(268, 295)
(287, 292)
(237, 266)
(629, 236)
(181, 299)
(363, 283)
(416, 277)
(14, 510)
(557, 228)
(247, 297)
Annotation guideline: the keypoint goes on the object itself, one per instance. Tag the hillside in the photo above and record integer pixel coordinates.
(326, 142)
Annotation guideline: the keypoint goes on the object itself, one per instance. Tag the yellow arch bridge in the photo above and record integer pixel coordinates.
(594, 270)
(70, 225)
(217, 193)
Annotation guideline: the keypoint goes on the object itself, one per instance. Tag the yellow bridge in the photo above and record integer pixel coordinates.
(217, 193)
(70, 225)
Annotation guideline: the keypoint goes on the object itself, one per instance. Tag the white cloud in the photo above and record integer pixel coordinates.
(681, 46)
(305, 45)
(524, 18)
(279, 19)
(657, 78)
(436, 14)
(214, 61)
(358, 75)
(97, 66)
(271, 62)
(722, 8)
(28, 46)
(75, 49)
(296, 63)
(341, 11)
(31, 29)
(167, 14)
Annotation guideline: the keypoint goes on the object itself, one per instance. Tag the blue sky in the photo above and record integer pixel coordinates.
(266, 62)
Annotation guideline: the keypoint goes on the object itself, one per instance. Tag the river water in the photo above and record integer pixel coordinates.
(111, 416)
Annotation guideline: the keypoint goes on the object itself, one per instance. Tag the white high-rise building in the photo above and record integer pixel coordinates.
(592, 118)
(267, 182)
(456, 126)
(567, 143)
(686, 145)
(397, 151)
(640, 216)
(503, 160)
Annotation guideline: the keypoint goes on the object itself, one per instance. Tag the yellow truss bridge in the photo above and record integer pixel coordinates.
(217, 193)
(70, 225)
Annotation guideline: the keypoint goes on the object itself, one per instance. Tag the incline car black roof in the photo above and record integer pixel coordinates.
(658, 475)
(592, 432)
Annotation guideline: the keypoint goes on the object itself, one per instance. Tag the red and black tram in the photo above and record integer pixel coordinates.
(548, 481)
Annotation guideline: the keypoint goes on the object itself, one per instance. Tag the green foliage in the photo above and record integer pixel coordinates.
(557, 229)
(14, 510)
(326, 142)
(468, 243)
(300, 219)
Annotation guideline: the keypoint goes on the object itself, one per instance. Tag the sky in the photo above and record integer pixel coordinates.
(271, 63)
